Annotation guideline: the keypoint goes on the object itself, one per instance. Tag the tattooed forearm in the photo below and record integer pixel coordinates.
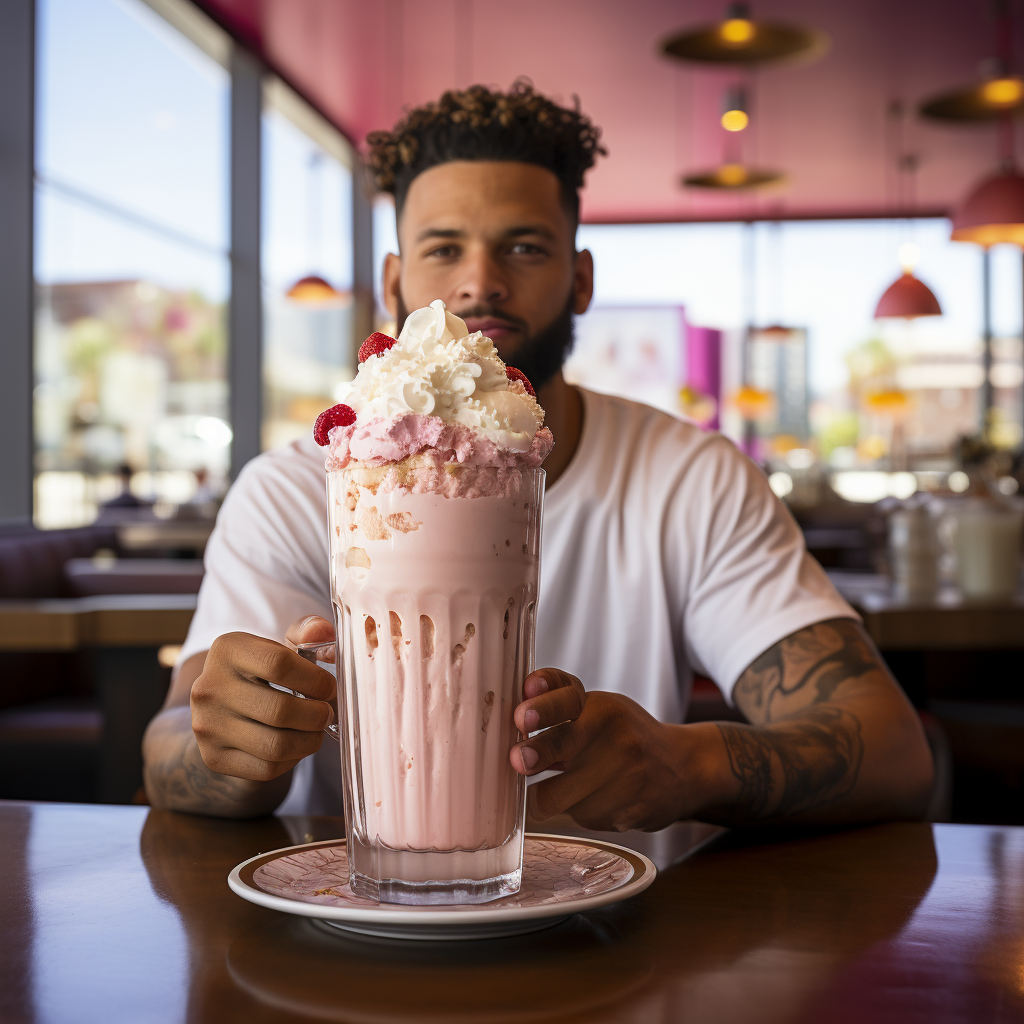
(178, 779)
(804, 697)
(803, 670)
(793, 767)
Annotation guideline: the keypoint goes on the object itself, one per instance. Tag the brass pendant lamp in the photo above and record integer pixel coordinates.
(734, 177)
(1001, 93)
(738, 39)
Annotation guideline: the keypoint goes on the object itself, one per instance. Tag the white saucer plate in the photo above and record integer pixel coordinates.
(562, 876)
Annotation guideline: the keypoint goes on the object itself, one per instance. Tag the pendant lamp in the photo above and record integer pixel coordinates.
(738, 39)
(993, 213)
(314, 291)
(982, 102)
(908, 297)
(734, 178)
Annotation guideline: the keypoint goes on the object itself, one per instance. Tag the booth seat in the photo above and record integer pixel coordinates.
(32, 561)
(55, 739)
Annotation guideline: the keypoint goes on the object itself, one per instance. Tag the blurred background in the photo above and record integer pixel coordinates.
(807, 234)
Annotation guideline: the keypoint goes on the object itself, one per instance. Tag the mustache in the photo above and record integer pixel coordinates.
(482, 312)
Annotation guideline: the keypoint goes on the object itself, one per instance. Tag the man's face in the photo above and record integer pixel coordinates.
(492, 239)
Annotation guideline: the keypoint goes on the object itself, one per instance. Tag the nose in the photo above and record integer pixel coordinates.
(480, 280)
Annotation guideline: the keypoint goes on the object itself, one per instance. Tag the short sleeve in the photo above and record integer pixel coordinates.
(267, 559)
(752, 581)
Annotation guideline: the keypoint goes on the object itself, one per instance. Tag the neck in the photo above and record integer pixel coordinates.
(563, 409)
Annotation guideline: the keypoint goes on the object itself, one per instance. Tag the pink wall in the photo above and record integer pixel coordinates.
(361, 61)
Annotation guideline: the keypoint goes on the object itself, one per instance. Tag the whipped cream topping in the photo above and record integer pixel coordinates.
(438, 369)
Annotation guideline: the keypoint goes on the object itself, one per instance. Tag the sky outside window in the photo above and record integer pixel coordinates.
(132, 113)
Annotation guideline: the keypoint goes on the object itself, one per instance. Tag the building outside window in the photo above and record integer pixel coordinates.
(307, 265)
(819, 281)
(131, 258)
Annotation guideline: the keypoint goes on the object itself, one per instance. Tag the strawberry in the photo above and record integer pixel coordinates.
(336, 416)
(374, 345)
(515, 374)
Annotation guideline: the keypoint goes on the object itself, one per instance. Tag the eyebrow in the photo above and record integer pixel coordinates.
(515, 232)
(439, 233)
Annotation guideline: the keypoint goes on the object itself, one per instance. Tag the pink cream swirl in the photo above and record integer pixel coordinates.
(380, 442)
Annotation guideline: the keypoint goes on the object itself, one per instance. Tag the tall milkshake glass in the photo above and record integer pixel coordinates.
(435, 602)
(434, 493)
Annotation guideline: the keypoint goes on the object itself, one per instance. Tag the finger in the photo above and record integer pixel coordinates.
(217, 703)
(545, 679)
(560, 743)
(610, 808)
(282, 710)
(559, 705)
(273, 745)
(241, 765)
(562, 792)
(311, 629)
(274, 662)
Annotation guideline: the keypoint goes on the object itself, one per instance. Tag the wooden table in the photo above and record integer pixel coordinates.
(121, 914)
(124, 632)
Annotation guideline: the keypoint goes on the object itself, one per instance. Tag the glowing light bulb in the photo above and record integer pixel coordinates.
(908, 254)
(732, 174)
(1003, 92)
(737, 31)
(735, 120)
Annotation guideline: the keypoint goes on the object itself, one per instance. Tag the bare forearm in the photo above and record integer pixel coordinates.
(177, 778)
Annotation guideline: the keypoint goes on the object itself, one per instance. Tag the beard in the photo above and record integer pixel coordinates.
(541, 355)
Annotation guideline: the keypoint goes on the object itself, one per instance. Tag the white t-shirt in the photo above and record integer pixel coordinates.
(664, 552)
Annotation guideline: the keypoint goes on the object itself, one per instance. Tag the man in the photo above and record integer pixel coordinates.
(664, 550)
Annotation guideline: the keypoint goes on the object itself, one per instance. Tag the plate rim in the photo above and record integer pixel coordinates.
(403, 915)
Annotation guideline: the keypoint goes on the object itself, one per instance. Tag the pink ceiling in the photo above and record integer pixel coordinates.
(361, 61)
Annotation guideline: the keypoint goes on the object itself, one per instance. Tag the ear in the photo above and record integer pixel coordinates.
(583, 281)
(392, 283)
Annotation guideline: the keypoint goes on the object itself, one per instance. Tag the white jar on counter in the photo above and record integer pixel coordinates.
(914, 552)
(986, 541)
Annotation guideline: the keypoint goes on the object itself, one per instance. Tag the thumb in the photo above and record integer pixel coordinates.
(311, 629)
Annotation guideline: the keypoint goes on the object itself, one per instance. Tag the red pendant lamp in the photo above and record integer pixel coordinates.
(994, 212)
(908, 297)
(313, 290)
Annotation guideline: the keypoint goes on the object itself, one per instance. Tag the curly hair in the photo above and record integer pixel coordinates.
(479, 124)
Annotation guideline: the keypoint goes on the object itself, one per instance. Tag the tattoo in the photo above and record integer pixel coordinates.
(804, 669)
(178, 779)
(804, 749)
(816, 759)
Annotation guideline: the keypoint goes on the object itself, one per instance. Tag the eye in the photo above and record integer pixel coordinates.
(526, 249)
(444, 252)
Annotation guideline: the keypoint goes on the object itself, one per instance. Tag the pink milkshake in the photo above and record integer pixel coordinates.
(435, 495)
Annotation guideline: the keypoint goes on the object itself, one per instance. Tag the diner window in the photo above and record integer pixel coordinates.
(131, 260)
(307, 265)
(819, 281)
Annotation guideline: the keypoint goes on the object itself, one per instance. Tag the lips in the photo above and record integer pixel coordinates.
(491, 327)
